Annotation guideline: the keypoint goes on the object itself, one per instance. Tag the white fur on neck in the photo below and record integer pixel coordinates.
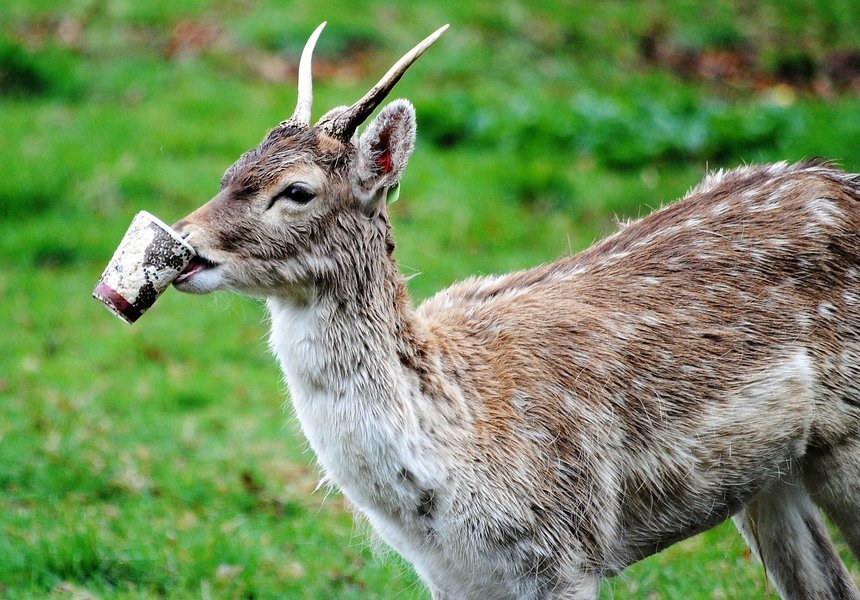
(365, 436)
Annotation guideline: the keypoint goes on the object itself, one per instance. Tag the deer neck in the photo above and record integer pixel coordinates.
(342, 348)
(346, 329)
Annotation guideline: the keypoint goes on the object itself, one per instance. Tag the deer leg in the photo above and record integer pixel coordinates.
(833, 480)
(785, 530)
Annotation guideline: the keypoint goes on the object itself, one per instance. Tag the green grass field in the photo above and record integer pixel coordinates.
(159, 461)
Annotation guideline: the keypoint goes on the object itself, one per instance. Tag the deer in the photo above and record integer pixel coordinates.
(529, 434)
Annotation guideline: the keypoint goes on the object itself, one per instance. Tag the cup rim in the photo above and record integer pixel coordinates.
(167, 229)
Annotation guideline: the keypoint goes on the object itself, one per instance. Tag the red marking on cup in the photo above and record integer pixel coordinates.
(122, 306)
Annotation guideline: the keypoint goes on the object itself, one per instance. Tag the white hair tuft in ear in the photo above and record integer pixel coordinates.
(384, 150)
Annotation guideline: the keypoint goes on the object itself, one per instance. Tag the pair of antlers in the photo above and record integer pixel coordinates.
(343, 125)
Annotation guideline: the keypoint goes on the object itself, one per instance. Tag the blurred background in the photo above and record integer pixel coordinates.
(158, 461)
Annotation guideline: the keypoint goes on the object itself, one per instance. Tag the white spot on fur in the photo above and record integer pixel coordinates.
(771, 202)
(824, 211)
(802, 320)
(645, 241)
(747, 198)
(758, 255)
(572, 273)
(651, 320)
(826, 310)
(720, 209)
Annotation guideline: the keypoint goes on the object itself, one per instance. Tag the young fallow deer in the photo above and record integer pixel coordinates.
(522, 436)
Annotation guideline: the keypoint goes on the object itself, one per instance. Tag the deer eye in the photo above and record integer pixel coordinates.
(295, 193)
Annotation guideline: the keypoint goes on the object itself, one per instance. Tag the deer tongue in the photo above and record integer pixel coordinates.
(196, 265)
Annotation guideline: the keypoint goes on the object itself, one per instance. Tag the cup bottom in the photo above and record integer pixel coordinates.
(116, 303)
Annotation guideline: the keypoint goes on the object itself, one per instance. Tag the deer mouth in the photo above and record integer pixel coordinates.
(197, 265)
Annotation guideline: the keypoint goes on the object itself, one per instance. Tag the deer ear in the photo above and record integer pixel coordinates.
(383, 151)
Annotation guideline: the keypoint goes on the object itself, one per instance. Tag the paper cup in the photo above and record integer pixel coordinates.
(147, 260)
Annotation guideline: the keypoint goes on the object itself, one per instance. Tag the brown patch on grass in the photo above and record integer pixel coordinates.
(741, 66)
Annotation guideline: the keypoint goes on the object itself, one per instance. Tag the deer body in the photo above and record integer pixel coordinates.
(523, 436)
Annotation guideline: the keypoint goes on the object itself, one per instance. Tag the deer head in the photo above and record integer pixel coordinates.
(309, 203)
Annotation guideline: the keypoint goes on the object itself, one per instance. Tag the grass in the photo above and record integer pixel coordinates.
(158, 461)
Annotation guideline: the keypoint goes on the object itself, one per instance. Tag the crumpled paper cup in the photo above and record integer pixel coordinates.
(149, 257)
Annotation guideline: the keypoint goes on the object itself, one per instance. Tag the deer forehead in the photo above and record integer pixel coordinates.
(281, 151)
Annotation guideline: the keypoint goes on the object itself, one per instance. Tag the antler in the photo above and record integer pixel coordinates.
(344, 124)
(302, 114)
